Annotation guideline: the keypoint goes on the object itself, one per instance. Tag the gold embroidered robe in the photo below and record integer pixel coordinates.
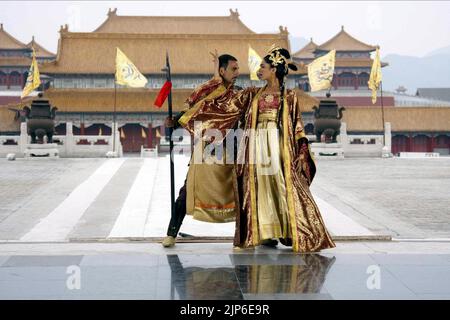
(211, 189)
(307, 228)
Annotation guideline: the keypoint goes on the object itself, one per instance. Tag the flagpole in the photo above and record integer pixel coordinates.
(172, 170)
(114, 117)
(382, 113)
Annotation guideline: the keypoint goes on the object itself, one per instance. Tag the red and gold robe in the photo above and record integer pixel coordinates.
(307, 229)
(211, 189)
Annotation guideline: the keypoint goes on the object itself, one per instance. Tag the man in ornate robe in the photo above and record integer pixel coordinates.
(210, 190)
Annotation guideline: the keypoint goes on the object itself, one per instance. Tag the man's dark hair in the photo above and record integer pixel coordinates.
(224, 59)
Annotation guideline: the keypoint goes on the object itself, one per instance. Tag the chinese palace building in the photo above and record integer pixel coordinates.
(79, 81)
(417, 125)
(83, 73)
(351, 72)
(15, 61)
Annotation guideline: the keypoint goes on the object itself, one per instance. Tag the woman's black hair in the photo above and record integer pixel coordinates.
(282, 70)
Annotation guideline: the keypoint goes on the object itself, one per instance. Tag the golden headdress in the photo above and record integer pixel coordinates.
(278, 55)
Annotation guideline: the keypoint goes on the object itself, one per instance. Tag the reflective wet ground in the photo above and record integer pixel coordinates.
(246, 275)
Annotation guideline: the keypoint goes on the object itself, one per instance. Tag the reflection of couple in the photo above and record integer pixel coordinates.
(249, 276)
(268, 205)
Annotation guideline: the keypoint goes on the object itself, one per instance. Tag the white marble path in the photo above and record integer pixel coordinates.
(130, 198)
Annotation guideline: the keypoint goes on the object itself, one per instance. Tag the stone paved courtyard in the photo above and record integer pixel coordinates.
(405, 198)
(57, 215)
(410, 198)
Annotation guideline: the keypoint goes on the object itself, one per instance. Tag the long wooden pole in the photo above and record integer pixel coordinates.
(172, 169)
(382, 114)
(114, 117)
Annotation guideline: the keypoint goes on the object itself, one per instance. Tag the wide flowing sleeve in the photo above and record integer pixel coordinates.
(303, 158)
(202, 91)
(221, 113)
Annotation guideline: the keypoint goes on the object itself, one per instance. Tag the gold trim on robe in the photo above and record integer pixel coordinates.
(211, 187)
(308, 231)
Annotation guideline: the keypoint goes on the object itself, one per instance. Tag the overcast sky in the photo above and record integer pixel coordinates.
(404, 27)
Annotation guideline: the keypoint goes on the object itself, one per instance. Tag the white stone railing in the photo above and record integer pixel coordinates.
(149, 152)
(9, 148)
(365, 145)
(354, 139)
(69, 145)
(419, 155)
(94, 146)
(93, 140)
(5, 139)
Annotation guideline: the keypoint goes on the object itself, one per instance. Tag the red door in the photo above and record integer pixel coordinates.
(132, 138)
(399, 144)
(421, 143)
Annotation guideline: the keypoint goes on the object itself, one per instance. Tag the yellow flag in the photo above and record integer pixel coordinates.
(254, 60)
(143, 134)
(122, 133)
(158, 135)
(100, 132)
(33, 79)
(375, 76)
(320, 71)
(126, 72)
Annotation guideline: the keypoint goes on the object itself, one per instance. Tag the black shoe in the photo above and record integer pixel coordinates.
(269, 243)
(287, 242)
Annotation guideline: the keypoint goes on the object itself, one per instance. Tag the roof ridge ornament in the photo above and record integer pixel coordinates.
(64, 29)
(283, 30)
(234, 14)
(112, 12)
(1, 26)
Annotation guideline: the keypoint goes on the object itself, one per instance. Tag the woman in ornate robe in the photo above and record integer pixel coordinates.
(275, 166)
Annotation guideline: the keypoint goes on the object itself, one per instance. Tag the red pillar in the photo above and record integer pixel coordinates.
(448, 142)
(410, 143)
(8, 81)
(150, 135)
(335, 81)
(356, 81)
(432, 143)
(82, 129)
(22, 84)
